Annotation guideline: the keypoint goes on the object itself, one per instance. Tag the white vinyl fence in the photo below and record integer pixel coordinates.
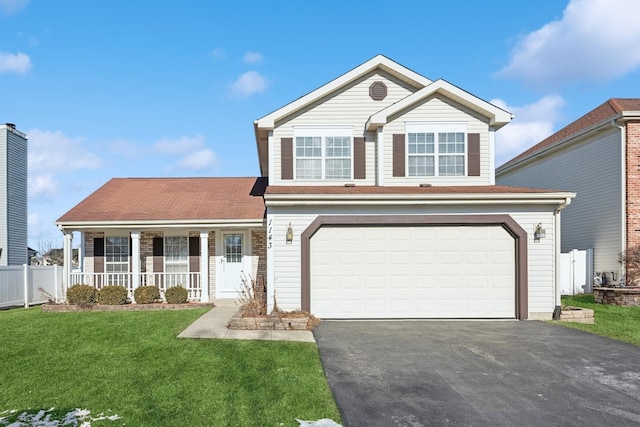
(19, 285)
(576, 272)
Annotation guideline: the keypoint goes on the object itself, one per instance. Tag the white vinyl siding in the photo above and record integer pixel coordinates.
(286, 260)
(438, 109)
(349, 106)
(594, 217)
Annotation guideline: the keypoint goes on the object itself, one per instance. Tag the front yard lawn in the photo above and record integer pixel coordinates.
(617, 322)
(131, 364)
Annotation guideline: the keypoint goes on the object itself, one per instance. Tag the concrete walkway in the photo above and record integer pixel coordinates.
(213, 324)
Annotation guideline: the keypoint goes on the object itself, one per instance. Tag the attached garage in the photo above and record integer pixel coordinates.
(415, 267)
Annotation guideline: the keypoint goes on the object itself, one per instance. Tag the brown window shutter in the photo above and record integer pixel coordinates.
(359, 158)
(473, 154)
(286, 158)
(194, 254)
(398, 154)
(98, 255)
(158, 254)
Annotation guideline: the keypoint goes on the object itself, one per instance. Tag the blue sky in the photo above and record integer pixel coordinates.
(115, 88)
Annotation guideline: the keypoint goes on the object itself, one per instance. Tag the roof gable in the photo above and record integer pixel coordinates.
(171, 199)
(497, 116)
(609, 110)
(377, 62)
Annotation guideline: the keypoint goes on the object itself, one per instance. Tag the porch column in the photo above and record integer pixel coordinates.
(135, 261)
(67, 256)
(204, 265)
(81, 252)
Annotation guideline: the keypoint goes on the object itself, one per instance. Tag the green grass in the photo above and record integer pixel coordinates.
(618, 322)
(131, 364)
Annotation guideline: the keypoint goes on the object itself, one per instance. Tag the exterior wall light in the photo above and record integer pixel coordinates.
(289, 234)
(539, 233)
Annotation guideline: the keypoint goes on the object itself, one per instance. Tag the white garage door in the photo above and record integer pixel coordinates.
(412, 272)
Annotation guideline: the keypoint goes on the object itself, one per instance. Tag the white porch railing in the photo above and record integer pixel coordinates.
(189, 281)
(20, 285)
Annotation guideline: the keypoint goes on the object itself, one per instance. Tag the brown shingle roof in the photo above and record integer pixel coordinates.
(459, 189)
(149, 199)
(608, 110)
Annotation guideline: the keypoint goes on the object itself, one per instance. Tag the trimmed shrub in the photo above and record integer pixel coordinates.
(176, 295)
(112, 295)
(82, 294)
(146, 294)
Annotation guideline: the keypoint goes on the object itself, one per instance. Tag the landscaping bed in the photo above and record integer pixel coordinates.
(66, 308)
(614, 321)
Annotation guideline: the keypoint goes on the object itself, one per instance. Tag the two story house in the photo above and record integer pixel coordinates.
(381, 203)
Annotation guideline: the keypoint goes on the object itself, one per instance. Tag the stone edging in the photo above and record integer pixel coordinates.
(577, 314)
(267, 323)
(67, 308)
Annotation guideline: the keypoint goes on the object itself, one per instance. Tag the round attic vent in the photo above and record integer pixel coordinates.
(378, 91)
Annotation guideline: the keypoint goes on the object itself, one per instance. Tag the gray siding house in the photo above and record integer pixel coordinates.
(596, 156)
(13, 196)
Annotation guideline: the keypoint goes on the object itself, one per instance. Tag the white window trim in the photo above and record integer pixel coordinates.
(164, 250)
(435, 128)
(322, 132)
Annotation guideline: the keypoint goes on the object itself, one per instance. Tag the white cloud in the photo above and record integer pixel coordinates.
(532, 123)
(198, 160)
(18, 63)
(218, 53)
(252, 57)
(195, 154)
(247, 84)
(53, 151)
(42, 186)
(596, 40)
(8, 7)
(182, 145)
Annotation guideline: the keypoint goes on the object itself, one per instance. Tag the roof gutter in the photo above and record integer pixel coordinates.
(272, 200)
(67, 226)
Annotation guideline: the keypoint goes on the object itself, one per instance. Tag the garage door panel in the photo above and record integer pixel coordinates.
(412, 272)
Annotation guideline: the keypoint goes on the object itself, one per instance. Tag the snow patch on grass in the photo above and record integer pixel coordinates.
(44, 418)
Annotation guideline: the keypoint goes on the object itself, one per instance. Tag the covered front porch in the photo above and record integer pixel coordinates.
(204, 234)
(210, 264)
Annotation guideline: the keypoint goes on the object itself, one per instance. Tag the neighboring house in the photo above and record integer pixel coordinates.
(380, 203)
(13, 196)
(598, 157)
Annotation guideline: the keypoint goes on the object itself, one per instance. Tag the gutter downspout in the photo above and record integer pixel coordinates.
(623, 186)
(557, 233)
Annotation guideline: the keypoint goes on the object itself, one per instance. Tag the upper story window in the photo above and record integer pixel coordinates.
(436, 150)
(323, 154)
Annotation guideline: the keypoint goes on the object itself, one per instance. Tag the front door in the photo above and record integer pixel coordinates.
(232, 264)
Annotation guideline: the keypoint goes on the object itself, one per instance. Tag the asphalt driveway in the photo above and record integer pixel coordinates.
(432, 373)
